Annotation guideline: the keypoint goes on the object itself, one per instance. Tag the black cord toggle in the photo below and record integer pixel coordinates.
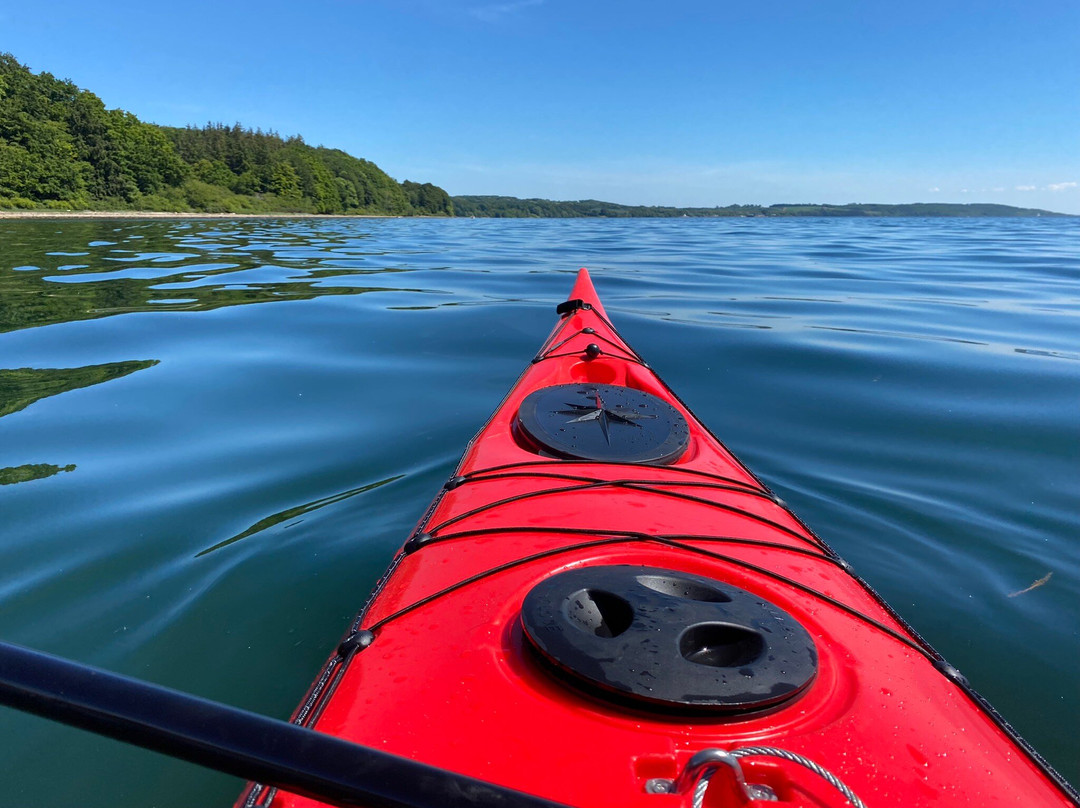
(355, 642)
(570, 306)
(416, 542)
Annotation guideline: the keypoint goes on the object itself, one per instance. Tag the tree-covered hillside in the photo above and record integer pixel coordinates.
(61, 148)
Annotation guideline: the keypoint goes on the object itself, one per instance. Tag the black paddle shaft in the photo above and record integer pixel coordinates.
(235, 741)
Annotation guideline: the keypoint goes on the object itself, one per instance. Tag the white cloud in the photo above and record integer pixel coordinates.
(935, 190)
(999, 190)
(493, 12)
(1060, 186)
(1025, 187)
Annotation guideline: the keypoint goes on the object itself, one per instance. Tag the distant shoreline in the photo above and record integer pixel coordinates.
(156, 214)
(514, 208)
(498, 207)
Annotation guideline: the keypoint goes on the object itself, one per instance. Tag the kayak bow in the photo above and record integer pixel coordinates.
(604, 607)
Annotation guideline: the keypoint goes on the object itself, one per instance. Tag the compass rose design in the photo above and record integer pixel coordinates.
(610, 423)
(602, 414)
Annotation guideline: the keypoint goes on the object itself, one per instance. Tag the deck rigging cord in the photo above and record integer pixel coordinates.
(628, 537)
(629, 484)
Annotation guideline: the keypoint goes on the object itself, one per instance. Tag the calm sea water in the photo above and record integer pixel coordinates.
(214, 434)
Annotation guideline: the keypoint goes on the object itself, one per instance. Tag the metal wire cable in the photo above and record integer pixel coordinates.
(784, 754)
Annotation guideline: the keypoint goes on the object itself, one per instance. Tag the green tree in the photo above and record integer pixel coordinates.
(428, 199)
(286, 182)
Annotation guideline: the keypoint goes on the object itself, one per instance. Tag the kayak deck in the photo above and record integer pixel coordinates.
(444, 666)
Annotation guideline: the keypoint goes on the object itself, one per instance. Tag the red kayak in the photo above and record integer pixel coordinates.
(604, 607)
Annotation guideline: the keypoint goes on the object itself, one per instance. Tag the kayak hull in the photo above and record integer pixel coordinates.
(443, 666)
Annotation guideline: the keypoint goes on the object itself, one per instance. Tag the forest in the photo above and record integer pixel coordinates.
(61, 149)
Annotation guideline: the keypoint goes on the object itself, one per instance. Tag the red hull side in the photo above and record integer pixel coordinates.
(448, 680)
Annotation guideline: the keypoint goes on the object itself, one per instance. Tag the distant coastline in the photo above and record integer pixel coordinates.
(165, 214)
(513, 208)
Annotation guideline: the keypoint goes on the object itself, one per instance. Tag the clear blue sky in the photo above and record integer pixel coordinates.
(685, 102)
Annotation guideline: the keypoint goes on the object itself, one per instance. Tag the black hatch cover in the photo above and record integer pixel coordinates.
(605, 422)
(660, 638)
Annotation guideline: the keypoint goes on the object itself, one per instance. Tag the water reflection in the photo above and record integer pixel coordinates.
(129, 266)
(21, 387)
(31, 471)
(298, 510)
